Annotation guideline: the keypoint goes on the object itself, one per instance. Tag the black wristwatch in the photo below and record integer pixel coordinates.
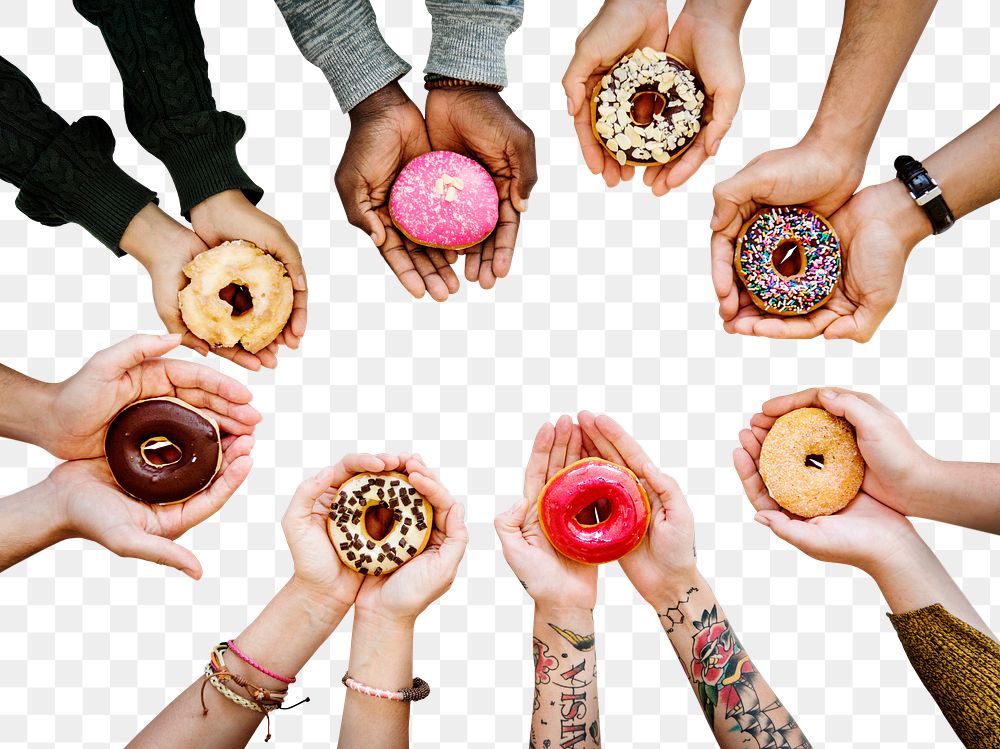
(925, 191)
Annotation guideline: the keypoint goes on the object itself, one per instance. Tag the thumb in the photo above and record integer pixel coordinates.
(798, 533)
(508, 524)
(725, 102)
(864, 417)
(138, 544)
(524, 170)
(356, 199)
(860, 326)
(306, 496)
(584, 63)
(732, 193)
(113, 361)
(456, 538)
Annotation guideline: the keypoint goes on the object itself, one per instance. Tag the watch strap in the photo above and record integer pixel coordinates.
(925, 192)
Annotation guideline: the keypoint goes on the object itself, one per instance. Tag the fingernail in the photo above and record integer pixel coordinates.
(569, 106)
(762, 520)
(172, 337)
(828, 395)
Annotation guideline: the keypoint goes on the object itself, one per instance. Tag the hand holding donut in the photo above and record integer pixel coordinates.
(710, 44)
(83, 406)
(620, 27)
(387, 131)
(667, 553)
(411, 588)
(479, 124)
(92, 506)
(551, 579)
(228, 216)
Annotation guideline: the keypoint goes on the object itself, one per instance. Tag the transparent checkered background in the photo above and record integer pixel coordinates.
(609, 307)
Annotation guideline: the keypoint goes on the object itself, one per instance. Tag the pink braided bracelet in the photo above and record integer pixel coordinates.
(420, 690)
(253, 664)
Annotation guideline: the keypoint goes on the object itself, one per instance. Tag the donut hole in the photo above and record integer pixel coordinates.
(645, 106)
(787, 259)
(238, 297)
(378, 520)
(814, 461)
(594, 513)
(160, 452)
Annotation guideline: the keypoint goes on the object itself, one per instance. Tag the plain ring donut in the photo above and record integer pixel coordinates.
(582, 487)
(410, 521)
(162, 450)
(219, 322)
(810, 462)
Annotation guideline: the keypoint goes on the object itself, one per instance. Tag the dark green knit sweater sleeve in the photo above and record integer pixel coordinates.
(66, 173)
(960, 666)
(169, 108)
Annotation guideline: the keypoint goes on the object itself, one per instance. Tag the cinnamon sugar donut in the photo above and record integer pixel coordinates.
(220, 323)
(810, 462)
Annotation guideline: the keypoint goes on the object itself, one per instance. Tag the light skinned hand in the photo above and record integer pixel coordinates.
(552, 580)
(896, 467)
(480, 125)
(229, 215)
(710, 46)
(84, 405)
(666, 556)
(619, 28)
(91, 505)
(404, 594)
(387, 132)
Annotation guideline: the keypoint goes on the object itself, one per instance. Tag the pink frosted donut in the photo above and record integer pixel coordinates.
(443, 199)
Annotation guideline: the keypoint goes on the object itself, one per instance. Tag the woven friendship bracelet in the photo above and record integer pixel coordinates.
(420, 690)
(256, 666)
(433, 81)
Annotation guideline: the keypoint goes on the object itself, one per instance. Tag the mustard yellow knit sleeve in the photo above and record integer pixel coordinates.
(960, 666)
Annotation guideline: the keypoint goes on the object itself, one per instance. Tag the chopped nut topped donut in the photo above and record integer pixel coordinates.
(675, 102)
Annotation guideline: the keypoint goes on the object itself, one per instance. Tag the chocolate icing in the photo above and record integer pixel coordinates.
(193, 434)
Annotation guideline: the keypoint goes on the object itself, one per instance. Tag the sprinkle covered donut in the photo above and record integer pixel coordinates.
(219, 322)
(162, 450)
(788, 259)
(408, 515)
(810, 462)
(444, 199)
(582, 488)
(676, 102)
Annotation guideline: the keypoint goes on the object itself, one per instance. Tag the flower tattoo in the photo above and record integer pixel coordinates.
(718, 666)
(544, 663)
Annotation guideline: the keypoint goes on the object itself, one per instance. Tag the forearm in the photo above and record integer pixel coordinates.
(876, 41)
(160, 53)
(729, 12)
(565, 708)
(285, 635)
(23, 402)
(381, 657)
(469, 38)
(30, 522)
(914, 578)
(967, 168)
(737, 701)
(959, 493)
(342, 38)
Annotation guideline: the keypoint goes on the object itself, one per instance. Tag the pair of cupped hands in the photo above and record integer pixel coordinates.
(85, 502)
(876, 226)
(873, 530)
(388, 130)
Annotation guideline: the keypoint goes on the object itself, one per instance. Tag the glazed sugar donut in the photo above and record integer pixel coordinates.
(677, 98)
(445, 200)
(788, 259)
(412, 521)
(810, 462)
(219, 323)
(162, 450)
(575, 488)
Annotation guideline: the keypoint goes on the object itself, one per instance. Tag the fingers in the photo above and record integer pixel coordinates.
(625, 445)
(400, 262)
(860, 326)
(523, 168)
(560, 446)
(799, 533)
(297, 320)
(331, 477)
(129, 541)
(574, 450)
(237, 464)
(112, 362)
(245, 359)
(603, 445)
(231, 418)
(866, 417)
(767, 326)
(473, 262)
(747, 185)
(536, 471)
(456, 539)
(594, 155)
(444, 270)
(724, 276)
(355, 195)
(725, 103)
(432, 281)
(577, 78)
(487, 275)
(438, 497)
(505, 238)
(753, 484)
(185, 375)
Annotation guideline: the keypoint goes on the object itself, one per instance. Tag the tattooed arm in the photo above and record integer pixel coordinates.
(564, 712)
(741, 709)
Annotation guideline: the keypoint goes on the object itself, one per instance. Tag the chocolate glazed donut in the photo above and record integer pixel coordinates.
(162, 450)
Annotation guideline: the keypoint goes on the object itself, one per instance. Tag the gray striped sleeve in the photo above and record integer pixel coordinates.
(469, 38)
(342, 38)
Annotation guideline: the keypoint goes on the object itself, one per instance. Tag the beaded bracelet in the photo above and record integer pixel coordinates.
(256, 666)
(433, 81)
(419, 691)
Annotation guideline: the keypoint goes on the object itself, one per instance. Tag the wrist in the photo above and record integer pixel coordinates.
(388, 622)
(904, 214)
(900, 559)
(551, 613)
(148, 235)
(213, 204)
(676, 588)
(56, 505)
(839, 147)
(387, 97)
(326, 609)
(727, 13)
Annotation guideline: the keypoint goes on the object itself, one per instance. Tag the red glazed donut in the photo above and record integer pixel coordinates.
(581, 484)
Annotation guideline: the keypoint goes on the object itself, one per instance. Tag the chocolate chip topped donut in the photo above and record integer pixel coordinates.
(675, 103)
(162, 450)
(810, 462)
(407, 520)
